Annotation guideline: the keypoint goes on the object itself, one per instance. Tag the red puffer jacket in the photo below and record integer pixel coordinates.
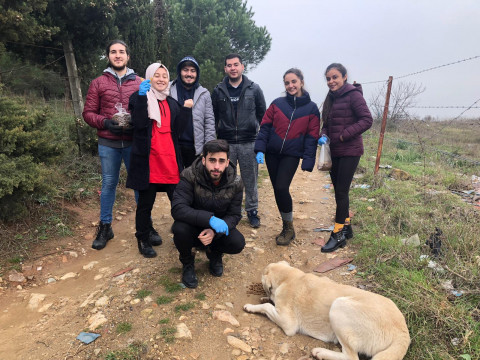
(104, 92)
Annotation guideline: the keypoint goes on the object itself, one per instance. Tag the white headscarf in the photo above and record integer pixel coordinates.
(154, 95)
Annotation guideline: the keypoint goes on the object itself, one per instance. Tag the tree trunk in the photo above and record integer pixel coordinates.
(75, 90)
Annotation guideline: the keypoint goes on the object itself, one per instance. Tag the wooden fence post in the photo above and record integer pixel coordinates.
(384, 124)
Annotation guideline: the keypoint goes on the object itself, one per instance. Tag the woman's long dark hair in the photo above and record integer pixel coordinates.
(327, 103)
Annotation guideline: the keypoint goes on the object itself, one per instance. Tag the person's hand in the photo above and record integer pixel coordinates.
(218, 225)
(206, 236)
(112, 126)
(144, 87)
(323, 140)
(259, 157)
(188, 103)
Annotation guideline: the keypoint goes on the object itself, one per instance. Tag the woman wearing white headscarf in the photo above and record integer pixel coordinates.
(155, 160)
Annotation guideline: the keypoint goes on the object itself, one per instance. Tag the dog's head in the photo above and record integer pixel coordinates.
(273, 275)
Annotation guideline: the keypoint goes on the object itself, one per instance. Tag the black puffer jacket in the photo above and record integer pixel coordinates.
(196, 199)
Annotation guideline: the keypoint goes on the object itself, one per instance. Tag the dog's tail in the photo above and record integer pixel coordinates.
(397, 350)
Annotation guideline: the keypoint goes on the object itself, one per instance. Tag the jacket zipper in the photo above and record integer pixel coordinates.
(290, 123)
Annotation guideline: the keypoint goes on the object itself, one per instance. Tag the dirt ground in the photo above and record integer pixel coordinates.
(69, 288)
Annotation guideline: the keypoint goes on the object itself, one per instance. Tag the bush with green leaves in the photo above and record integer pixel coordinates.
(26, 150)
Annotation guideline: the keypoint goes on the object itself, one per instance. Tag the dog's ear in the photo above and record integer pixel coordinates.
(284, 262)
(267, 284)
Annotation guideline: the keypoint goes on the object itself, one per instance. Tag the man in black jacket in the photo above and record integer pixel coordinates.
(239, 106)
(206, 207)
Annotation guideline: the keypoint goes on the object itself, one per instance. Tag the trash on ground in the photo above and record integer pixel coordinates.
(385, 166)
(319, 242)
(331, 264)
(412, 240)
(435, 242)
(457, 293)
(324, 229)
(87, 338)
(361, 186)
(327, 186)
(122, 272)
(351, 267)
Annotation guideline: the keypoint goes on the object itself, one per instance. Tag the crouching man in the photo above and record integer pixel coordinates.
(206, 207)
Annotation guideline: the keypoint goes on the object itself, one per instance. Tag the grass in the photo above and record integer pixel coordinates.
(442, 326)
(168, 334)
(200, 296)
(123, 327)
(169, 285)
(142, 294)
(164, 300)
(184, 307)
(134, 351)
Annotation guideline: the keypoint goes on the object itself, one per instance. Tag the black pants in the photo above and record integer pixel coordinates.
(188, 155)
(185, 237)
(146, 199)
(281, 169)
(343, 169)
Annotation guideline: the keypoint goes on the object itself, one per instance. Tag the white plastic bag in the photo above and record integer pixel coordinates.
(324, 159)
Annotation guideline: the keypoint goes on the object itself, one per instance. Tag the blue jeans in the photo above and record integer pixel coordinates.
(111, 160)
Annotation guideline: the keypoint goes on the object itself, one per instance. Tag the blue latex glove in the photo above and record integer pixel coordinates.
(144, 87)
(259, 157)
(323, 140)
(218, 225)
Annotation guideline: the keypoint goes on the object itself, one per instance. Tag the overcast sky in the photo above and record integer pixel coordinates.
(375, 39)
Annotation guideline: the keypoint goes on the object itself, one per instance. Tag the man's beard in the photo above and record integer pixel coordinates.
(187, 86)
(117, 68)
(220, 173)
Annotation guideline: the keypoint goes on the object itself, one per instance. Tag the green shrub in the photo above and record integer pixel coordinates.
(26, 150)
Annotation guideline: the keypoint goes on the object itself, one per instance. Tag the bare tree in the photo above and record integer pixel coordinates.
(402, 97)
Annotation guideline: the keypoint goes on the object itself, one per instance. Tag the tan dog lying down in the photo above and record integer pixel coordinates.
(361, 321)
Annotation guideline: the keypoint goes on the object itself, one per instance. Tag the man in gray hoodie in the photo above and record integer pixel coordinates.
(200, 128)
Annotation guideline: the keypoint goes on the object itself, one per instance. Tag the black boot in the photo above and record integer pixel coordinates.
(145, 248)
(347, 231)
(104, 233)
(154, 237)
(216, 263)
(287, 234)
(189, 278)
(336, 240)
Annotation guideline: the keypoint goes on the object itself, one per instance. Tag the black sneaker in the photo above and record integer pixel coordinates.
(154, 237)
(104, 233)
(253, 218)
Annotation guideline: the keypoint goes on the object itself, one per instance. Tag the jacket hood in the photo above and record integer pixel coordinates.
(195, 63)
(111, 71)
(346, 88)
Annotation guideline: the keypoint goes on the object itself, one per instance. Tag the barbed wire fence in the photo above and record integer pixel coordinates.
(415, 123)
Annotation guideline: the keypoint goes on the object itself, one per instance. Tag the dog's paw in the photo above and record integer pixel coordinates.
(248, 308)
(318, 353)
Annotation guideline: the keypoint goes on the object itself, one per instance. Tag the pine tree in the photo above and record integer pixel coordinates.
(26, 149)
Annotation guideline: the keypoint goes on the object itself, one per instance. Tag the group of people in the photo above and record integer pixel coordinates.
(186, 143)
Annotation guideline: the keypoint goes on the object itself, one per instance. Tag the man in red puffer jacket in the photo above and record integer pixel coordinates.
(105, 95)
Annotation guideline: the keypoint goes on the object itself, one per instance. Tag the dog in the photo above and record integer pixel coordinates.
(361, 321)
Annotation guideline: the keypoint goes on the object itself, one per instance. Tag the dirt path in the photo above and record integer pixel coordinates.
(47, 328)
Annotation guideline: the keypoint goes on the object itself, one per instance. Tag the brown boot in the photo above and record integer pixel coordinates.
(287, 234)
